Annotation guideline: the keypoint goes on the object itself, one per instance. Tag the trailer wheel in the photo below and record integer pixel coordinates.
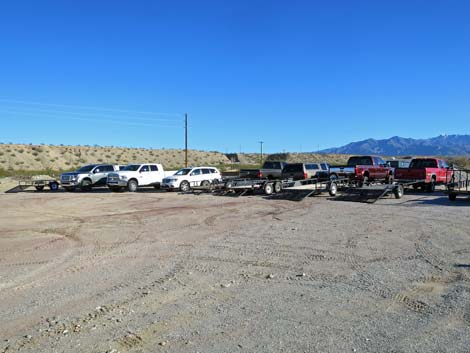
(399, 191)
(184, 186)
(132, 185)
(389, 179)
(268, 188)
(277, 187)
(333, 189)
(54, 186)
(431, 187)
(452, 196)
(39, 187)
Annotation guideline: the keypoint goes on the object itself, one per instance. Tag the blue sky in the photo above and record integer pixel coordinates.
(298, 75)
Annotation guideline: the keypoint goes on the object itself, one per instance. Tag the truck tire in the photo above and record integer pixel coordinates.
(452, 196)
(39, 187)
(398, 191)
(431, 187)
(85, 185)
(54, 186)
(184, 186)
(333, 177)
(132, 185)
(332, 189)
(268, 188)
(277, 187)
(389, 179)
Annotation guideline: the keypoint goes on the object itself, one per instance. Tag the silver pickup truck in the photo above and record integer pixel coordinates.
(87, 177)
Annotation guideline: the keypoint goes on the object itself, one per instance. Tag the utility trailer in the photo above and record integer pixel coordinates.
(373, 192)
(303, 188)
(458, 183)
(38, 184)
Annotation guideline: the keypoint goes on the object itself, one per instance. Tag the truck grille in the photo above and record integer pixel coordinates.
(65, 178)
(113, 178)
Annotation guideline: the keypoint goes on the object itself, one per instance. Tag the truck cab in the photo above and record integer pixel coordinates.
(134, 176)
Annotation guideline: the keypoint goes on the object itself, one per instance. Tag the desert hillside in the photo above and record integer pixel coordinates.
(44, 157)
(21, 157)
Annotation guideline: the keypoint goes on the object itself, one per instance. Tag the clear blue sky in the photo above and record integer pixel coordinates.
(298, 75)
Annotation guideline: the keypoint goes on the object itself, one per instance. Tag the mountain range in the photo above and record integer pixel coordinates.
(443, 145)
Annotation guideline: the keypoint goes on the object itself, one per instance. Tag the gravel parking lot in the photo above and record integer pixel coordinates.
(153, 271)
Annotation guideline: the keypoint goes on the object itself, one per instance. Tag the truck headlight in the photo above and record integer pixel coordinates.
(123, 177)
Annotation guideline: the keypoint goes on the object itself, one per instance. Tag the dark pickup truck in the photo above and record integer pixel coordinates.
(269, 170)
(430, 171)
(362, 170)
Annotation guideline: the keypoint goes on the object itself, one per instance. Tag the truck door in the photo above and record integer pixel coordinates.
(196, 177)
(99, 175)
(145, 175)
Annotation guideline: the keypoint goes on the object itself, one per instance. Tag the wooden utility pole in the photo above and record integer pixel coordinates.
(261, 143)
(186, 139)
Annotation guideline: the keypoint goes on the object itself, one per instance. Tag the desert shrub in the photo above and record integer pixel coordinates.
(67, 163)
(21, 150)
(35, 153)
(2, 153)
(100, 160)
(108, 156)
(37, 159)
(12, 155)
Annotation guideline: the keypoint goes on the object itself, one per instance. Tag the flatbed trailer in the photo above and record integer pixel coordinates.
(38, 184)
(459, 184)
(373, 192)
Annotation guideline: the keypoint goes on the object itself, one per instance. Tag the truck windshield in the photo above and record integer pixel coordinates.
(183, 171)
(86, 169)
(354, 161)
(423, 163)
(132, 167)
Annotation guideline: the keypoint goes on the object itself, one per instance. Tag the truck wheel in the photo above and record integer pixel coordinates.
(452, 196)
(277, 187)
(85, 185)
(389, 179)
(333, 177)
(333, 189)
(132, 186)
(184, 186)
(54, 186)
(39, 187)
(398, 191)
(268, 188)
(431, 187)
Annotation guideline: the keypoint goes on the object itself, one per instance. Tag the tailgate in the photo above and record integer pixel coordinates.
(408, 173)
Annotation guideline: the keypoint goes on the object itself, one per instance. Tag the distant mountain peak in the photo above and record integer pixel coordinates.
(447, 145)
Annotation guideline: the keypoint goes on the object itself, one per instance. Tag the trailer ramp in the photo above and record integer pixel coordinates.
(17, 188)
(369, 194)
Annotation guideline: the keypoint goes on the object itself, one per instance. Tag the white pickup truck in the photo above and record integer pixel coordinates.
(134, 176)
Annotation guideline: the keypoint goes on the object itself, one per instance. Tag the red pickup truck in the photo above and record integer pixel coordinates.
(431, 171)
(363, 169)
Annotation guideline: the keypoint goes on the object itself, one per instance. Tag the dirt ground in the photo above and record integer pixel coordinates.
(164, 272)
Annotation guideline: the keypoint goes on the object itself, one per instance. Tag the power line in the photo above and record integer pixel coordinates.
(89, 107)
(42, 116)
(91, 114)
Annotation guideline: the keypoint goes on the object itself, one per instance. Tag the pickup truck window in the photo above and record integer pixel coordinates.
(423, 163)
(379, 161)
(360, 160)
(213, 170)
(86, 168)
(132, 167)
(312, 166)
(271, 165)
(106, 168)
(294, 167)
(324, 166)
(145, 168)
(153, 168)
(183, 171)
